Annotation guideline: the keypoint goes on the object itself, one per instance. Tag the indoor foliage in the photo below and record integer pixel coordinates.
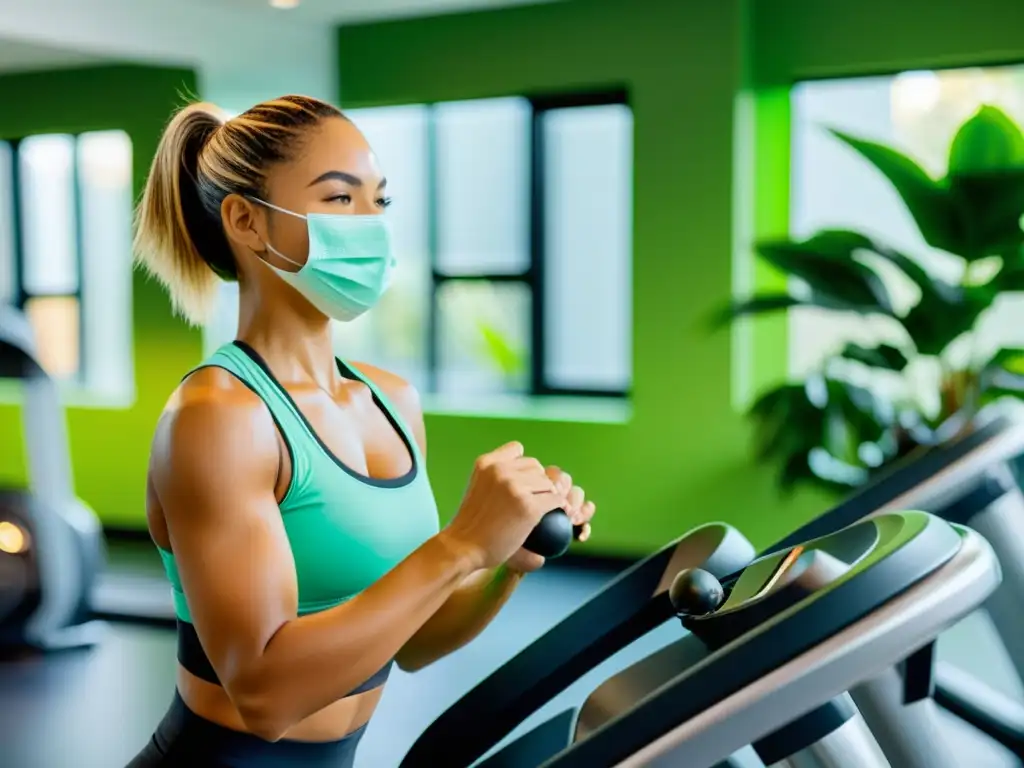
(862, 408)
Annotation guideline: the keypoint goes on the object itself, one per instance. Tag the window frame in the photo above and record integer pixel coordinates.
(533, 277)
(20, 296)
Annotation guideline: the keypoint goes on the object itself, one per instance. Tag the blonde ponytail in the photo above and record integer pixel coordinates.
(169, 220)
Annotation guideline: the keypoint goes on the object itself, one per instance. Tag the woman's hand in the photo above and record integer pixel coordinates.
(508, 494)
(577, 507)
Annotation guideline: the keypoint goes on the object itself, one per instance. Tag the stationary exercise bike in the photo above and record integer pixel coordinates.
(51, 543)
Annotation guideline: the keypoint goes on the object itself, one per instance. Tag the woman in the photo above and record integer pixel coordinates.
(287, 490)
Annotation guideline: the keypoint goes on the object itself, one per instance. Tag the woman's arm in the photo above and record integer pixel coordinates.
(214, 467)
(463, 616)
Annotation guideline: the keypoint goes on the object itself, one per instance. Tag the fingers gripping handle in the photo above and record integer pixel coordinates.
(553, 535)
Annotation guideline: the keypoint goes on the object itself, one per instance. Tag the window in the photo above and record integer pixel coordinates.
(918, 113)
(65, 255)
(512, 222)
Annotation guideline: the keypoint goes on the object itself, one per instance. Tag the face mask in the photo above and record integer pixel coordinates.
(349, 266)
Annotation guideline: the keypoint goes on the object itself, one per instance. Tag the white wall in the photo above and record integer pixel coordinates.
(243, 55)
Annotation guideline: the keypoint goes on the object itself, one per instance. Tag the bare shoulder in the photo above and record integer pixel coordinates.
(207, 400)
(399, 391)
(212, 419)
(211, 385)
(404, 396)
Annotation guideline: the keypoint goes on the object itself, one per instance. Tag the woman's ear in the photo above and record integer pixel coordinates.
(244, 223)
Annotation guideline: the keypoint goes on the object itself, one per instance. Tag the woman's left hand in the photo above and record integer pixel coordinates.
(577, 507)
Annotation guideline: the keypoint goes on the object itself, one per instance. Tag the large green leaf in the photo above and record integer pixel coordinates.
(756, 305)
(988, 141)
(826, 263)
(786, 422)
(838, 243)
(830, 417)
(883, 356)
(989, 207)
(854, 417)
(766, 304)
(796, 470)
(975, 211)
(944, 312)
(992, 394)
(867, 415)
(936, 288)
(926, 199)
(1009, 280)
(933, 324)
(1011, 274)
(1004, 371)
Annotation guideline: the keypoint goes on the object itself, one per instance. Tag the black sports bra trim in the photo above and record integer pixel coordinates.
(192, 657)
(388, 482)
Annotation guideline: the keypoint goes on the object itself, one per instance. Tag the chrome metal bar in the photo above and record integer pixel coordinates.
(911, 735)
(849, 746)
(1002, 524)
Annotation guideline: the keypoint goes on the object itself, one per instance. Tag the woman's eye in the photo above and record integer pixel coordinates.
(343, 199)
(383, 202)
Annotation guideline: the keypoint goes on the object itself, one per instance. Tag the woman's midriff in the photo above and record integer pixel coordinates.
(331, 723)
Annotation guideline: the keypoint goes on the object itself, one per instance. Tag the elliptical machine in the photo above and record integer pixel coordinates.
(773, 646)
(51, 543)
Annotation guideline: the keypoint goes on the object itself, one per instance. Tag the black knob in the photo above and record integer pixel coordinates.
(695, 592)
(553, 535)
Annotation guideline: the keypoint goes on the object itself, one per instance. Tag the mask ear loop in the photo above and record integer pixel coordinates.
(267, 245)
(280, 255)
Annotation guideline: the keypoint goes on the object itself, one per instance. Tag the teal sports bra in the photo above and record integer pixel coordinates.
(346, 530)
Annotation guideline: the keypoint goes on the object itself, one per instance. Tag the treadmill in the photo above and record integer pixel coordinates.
(772, 648)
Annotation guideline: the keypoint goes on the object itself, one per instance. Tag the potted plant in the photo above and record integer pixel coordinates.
(860, 409)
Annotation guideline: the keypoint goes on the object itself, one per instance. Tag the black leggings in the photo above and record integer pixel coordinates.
(185, 739)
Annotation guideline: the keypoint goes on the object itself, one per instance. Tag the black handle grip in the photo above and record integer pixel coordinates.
(696, 592)
(553, 535)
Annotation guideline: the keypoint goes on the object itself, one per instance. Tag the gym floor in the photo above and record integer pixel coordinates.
(97, 708)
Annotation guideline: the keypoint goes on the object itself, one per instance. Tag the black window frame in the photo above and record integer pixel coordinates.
(533, 277)
(21, 296)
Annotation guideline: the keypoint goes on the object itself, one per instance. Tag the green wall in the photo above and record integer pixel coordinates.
(806, 39)
(109, 447)
(683, 458)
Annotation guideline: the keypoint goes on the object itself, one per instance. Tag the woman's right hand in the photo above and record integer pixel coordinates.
(508, 494)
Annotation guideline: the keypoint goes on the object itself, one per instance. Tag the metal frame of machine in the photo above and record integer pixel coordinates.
(968, 481)
(64, 552)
